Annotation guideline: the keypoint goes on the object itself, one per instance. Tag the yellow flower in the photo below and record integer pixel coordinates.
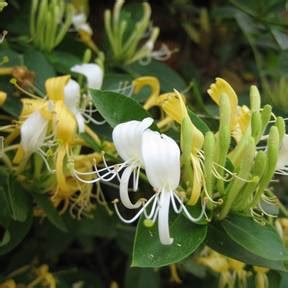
(153, 84)
(240, 116)
(10, 283)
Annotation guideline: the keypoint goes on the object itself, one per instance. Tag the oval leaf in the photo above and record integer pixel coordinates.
(257, 239)
(116, 108)
(149, 252)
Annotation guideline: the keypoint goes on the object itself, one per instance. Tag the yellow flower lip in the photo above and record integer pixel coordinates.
(55, 87)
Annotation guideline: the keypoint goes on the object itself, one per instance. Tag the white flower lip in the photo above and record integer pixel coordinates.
(72, 101)
(161, 157)
(33, 132)
(127, 138)
(92, 72)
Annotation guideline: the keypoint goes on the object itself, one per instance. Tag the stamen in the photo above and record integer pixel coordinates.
(187, 213)
(14, 82)
(153, 208)
(90, 119)
(128, 221)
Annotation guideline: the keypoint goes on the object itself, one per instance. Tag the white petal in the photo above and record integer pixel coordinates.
(33, 132)
(86, 28)
(163, 218)
(283, 154)
(161, 158)
(80, 121)
(78, 20)
(72, 95)
(127, 138)
(92, 72)
(124, 195)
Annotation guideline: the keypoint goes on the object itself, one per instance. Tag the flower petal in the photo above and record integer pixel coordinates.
(127, 138)
(92, 72)
(55, 87)
(163, 218)
(72, 95)
(283, 154)
(161, 158)
(33, 132)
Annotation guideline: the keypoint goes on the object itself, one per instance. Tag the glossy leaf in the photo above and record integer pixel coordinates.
(116, 108)
(220, 241)
(199, 123)
(258, 239)
(149, 252)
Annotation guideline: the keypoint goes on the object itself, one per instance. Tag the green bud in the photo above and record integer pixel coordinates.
(272, 157)
(186, 140)
(243, 174)
(280, 123)
(87, 56)
(246, 196)
(266, 116)
(209, 150)
(223, 137)
(255, 99)
(256, 124)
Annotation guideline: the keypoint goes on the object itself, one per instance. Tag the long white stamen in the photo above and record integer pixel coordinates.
(91, 119)
(128, 221)
(187, 213)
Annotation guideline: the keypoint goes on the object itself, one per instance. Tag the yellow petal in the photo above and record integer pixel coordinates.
(3, 97)
(19, 156)
(60, 175)
(55, 87)
(154, 85)
(174, 106)
(65, 124)
(220, 87)
(29, 106)
(244, 117)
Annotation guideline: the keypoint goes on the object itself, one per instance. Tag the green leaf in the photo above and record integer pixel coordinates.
(199, 123)
(257, 239)
(17, 231)
(52, 213)
(220, 241)
(63, 61)
(100, 224)
(169, 79)
(149, 252)
(142, 278)
(116, 108)
(16, 198)
(90, 142)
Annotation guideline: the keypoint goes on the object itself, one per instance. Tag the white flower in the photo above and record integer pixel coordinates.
(33, 132)
(282, 164)
(72, 101)
(127, 138)
(92, 72)
(80, 23)
(161, 159)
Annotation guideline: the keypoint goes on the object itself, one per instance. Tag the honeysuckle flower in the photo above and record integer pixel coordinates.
(282, 163)
(93, 73)
(240, 115)
(161, 159)
(127, 138)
